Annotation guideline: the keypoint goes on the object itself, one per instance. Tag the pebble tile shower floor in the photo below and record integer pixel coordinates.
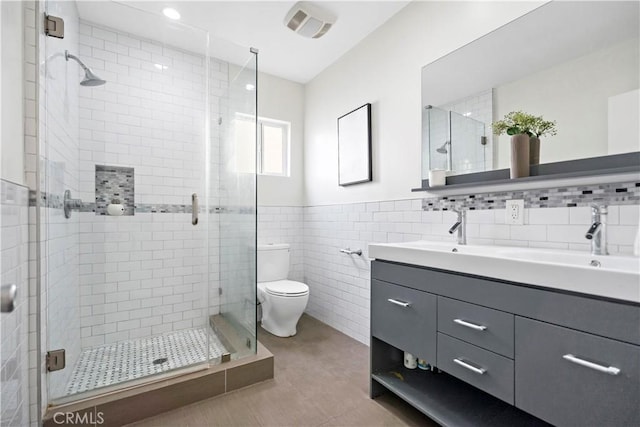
(134, 359)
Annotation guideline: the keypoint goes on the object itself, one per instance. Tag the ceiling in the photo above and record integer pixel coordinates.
(234, 26)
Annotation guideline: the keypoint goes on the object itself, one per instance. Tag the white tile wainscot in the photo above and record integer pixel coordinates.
(339, 283)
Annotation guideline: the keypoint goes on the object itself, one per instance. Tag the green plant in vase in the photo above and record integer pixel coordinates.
(525, 131)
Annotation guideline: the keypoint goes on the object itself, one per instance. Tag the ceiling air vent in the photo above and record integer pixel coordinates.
(309, 20)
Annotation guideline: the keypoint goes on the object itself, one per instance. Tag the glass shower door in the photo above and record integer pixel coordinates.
(238, 213)
(469, 144)
(125, 274)
(436, 127)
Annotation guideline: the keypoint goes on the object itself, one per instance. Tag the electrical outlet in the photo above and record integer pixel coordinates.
(514, 212)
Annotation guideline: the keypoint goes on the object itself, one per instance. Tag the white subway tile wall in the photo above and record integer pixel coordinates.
(14, 345)
(339, 283)
(284, 224)
(147, 117)
(140, 275)
(145, 274)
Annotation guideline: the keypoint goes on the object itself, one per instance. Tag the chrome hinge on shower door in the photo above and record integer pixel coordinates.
(54, 26)
(55, 360)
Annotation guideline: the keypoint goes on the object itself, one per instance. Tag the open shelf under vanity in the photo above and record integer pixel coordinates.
(443, 398)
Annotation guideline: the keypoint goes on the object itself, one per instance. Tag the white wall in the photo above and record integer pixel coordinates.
(575, 94)
(384, 69)
(280, 199)
(623, 122)
(283, 100)
(11, 130)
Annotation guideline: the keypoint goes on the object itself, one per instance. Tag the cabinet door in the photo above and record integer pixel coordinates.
(405, 318)
(571, 378)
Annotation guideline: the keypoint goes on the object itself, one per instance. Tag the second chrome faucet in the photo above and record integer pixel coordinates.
(460, 226)
(597, 232)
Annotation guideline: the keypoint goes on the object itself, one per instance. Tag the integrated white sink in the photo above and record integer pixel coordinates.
(576, 259)
(616, 277)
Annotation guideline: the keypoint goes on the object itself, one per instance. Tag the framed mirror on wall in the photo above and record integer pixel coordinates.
(354, 146)
(575, 63)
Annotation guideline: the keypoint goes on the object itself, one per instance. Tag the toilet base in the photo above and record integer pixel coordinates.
(280, 315)
(279, 332)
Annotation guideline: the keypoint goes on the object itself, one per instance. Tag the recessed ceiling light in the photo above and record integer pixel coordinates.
(171, 13)
(249, 86)
(467, 114)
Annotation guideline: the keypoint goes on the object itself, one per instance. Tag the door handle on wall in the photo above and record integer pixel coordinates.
(194, 209)
(8, 294)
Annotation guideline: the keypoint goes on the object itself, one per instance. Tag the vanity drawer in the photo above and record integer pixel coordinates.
(483, 369)
(484, 327)
(405, 318)
(553, 381)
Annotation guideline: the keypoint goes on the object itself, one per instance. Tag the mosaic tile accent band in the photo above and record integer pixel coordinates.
(114, 184)
(627, 193)
(137, 358)
(55, 201)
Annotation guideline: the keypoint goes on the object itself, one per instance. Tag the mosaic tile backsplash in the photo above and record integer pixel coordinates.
(114, 182)
(627, 193)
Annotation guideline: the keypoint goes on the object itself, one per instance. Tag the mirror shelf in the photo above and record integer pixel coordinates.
(619, 167)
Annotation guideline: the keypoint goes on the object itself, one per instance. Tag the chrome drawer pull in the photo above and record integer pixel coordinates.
(470, 325)
(400, 303)
(607, 370)
(469, 367)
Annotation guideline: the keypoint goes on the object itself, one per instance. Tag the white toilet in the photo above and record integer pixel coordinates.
(283, 301)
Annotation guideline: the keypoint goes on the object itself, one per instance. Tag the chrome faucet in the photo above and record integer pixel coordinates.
(460, 226)
(597, 233)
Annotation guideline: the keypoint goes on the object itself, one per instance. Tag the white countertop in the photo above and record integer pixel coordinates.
(616, 277)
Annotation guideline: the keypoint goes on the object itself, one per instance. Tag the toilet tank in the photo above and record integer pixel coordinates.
(273, 262)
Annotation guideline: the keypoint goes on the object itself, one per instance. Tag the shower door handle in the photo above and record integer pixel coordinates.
(8, 294)
(194, 209)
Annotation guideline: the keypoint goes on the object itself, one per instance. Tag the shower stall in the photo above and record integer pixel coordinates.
(147, 229)
(457, 143)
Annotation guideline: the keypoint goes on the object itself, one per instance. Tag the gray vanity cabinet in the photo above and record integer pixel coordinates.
(404, 318)
(554, 382)
(510, 354)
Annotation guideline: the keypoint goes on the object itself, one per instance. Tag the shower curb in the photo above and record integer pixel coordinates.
(136, 403)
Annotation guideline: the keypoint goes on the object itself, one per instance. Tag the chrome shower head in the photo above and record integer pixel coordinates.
(443, 148)
(90, 78)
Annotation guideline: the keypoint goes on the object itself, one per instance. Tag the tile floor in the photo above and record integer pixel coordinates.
(133, 359)
(321, 379)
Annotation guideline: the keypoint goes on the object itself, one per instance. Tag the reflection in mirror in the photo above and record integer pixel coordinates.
(573, 62)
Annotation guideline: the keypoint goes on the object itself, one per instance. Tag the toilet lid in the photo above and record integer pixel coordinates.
(286, 288)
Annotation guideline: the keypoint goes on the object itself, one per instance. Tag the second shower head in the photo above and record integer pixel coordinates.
(90, 78)
(443, 149)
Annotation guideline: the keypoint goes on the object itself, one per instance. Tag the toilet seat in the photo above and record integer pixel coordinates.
(286, 288)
